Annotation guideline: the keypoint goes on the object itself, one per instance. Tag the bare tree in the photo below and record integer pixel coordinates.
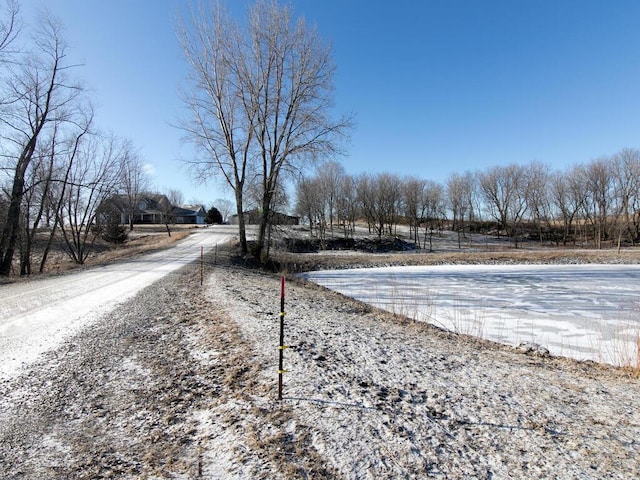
(538, 197)
(64, 159)
(290, 76)
(175, 198)
(347, 208)
(93, 178)
(413, 194)
(330, 175)
(134, 180)
(433, 206)
(387, 203)
(225, 207)
(41, 94)
(9, 30)
(37, 180)
(366, 199)
(598, 186)
(220, 125)
(261, 94)
(626, 177)
(304, 201)
(312, 204)
(459, 194)
(37, 192)
(566, 201)
(504, 191)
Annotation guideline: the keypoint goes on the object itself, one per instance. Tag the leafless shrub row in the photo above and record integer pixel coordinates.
(593, 204)
(56, 167)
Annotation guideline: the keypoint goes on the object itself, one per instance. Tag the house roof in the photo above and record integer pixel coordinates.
(188, 210)
(195, 207)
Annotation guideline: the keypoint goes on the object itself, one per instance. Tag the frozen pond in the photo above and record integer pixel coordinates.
(580, 311)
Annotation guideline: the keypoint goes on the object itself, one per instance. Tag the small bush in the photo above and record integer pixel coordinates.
(115, 233)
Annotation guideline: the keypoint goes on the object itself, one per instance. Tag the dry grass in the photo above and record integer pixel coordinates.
(143, 239)
(295, 263)
(629, 357)
(141, 243)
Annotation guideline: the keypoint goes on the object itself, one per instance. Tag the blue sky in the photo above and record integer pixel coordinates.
(437, 87)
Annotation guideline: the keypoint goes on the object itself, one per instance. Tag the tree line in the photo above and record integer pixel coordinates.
(594, 204)
(56, 166)
(260, 98)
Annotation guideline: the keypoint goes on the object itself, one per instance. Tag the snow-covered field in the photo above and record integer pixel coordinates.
(580, 311)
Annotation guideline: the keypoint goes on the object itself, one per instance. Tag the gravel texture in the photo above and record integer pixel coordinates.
(180, 382)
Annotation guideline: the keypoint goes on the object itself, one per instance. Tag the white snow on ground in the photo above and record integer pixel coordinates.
(580, 311)
(37, 316)
(383, 399)
(161, 388)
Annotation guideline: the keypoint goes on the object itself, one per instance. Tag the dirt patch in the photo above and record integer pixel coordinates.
(363, 244)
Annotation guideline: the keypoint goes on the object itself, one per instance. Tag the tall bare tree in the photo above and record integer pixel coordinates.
(93, 178)
(504, 191)
(40, 94)
(261, 98)
(38, 183)
(64, 159)
(220, 125)
(134, 180)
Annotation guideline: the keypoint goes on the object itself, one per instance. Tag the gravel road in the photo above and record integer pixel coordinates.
(114, 393)
(179, 382)
(36, 316)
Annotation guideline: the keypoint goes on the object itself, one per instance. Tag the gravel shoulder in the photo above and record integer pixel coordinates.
(382, 397)
(180, 382)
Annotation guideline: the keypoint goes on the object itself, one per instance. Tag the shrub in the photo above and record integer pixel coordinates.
(115, 233)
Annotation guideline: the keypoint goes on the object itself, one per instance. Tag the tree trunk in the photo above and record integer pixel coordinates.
(47, 248)
(12, 224)
(242, 230)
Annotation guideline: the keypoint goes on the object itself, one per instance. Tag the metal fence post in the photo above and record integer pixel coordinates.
(281, 346)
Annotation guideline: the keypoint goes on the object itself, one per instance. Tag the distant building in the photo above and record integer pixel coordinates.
(189, 214)
(151, 209)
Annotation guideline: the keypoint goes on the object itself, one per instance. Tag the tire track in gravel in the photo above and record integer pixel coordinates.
(146, 391)
(38, 315)
(113, 400)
